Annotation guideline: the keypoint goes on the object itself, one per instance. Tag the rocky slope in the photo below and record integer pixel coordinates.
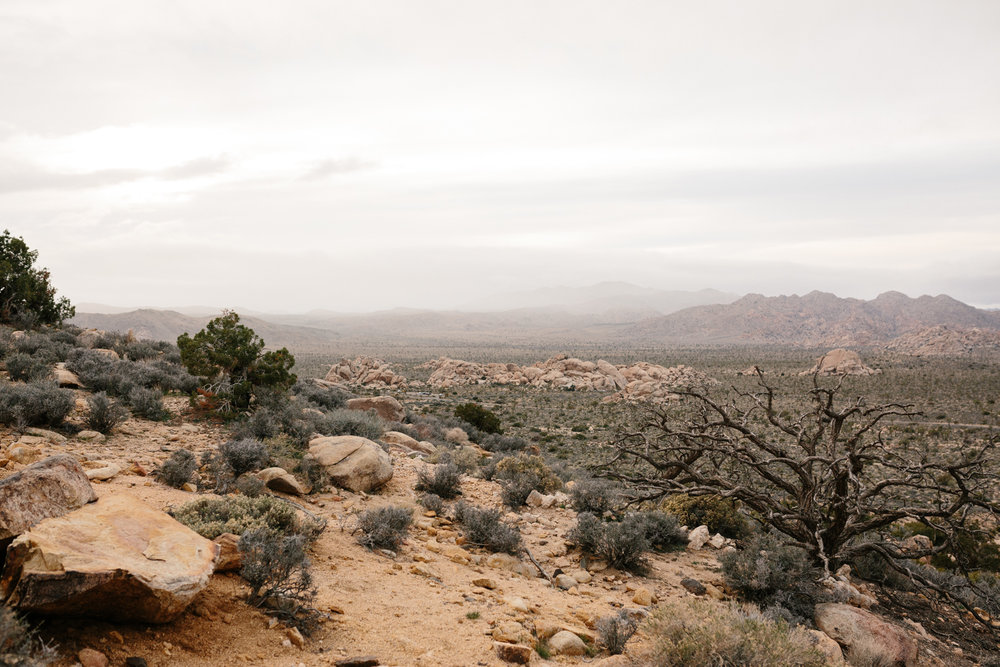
(946, 341)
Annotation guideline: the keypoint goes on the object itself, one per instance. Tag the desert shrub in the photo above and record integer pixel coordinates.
(482, 527)
(364, 423)
(615, 631)
(242, 456)
(431, 502)
(251, 486)
(384, 528)
(496, 442)
(699, 633)
(140, 350)
(176, 471)
(278, 570)
(520, 475)
(324, 398)
(622, 544)
(25, 367)
(315, 473)
(104, 413)
(231, 359)
(662, 530)
(39, 403)
(594, 495)
(19, 644)
(778, 578)
(238, 514)
(28, 298)
(481, 418)
(721, 515)
(445, 480)
(147, 403)
(262, 423)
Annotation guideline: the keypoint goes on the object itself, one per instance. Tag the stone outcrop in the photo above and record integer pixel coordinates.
(367, 372)
(116, 558)
(46, 489)
(862, 631)
(282, 481)
(387, 407)
(942, 341)
(840, 362)
(351, 462)
(640, 381)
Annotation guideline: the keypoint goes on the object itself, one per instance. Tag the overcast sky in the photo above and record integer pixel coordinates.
(363, 155)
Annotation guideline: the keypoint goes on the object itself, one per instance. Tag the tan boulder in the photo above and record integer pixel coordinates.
(352, 462)
(402, 440)
(387, 407)
(49, 488)
(513, 653)
(228, 558)
(116, 558)
(840, 362)
(862, 632)
(565, 642)
(66, 378)
(282, 481)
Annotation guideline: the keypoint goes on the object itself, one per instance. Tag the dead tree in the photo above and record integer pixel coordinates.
(826, 479)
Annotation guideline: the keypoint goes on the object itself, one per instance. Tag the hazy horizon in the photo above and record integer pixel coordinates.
(355, 157)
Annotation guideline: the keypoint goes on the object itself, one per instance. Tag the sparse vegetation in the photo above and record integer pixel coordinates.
(719, 514)
(39, 403)
(596, 496)
(26, 367)
(615, 631)
(384, 528)
(483, 527)
(479, 417)
(699, 633)
(238, 514)
(622, 544)
(104, 413)
(520, 475)
(177, 470)
(444, 480)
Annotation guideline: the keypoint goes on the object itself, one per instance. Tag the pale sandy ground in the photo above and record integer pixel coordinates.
(407, 610)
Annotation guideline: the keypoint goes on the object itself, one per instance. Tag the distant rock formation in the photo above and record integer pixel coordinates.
(840, 362)
(640, 381)
(944, 341)
(366, 371)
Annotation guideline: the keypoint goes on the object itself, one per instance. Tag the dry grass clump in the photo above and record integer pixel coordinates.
(699, 633)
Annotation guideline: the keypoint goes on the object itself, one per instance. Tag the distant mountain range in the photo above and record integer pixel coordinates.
(610, 313)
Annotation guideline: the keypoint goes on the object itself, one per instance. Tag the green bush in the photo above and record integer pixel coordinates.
(147, 403)
(104, 413)
(662, 531)
(719, 514)
(475, 414)
(278, 570)
(242, 456)
(176, 471)
(231, 359)
(622, 544)
(27, 299)
(34, 404)
(238, 514)
(324, 398)
(482, 527)
(445, 481)
(363, 423)
(701, 633)
(384, 528)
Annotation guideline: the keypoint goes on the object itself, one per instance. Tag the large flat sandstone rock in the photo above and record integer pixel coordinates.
(117, 559)
(46, 489)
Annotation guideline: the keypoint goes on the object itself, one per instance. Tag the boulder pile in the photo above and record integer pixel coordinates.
(366, 371)
(840, 362)
(946, 342)
(640, 381)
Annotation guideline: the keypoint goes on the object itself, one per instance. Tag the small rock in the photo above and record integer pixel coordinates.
(714, 592)
(295, 637)
(582, 577)
(50, 436)
(510, 632)
(515, 653)
(24, 454)
(280, 480)
(697, 538)
(564, 581)
(642, 597)
(693, 586)
(88, 657)
(534, 499)
(485, 582)
(828, 647)
(189, 428)
(135, 661)
(565, 642)
(104, 473)
(717, 541)
(189, 487)
(358, 661)
(518, 604)
(90, 436)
